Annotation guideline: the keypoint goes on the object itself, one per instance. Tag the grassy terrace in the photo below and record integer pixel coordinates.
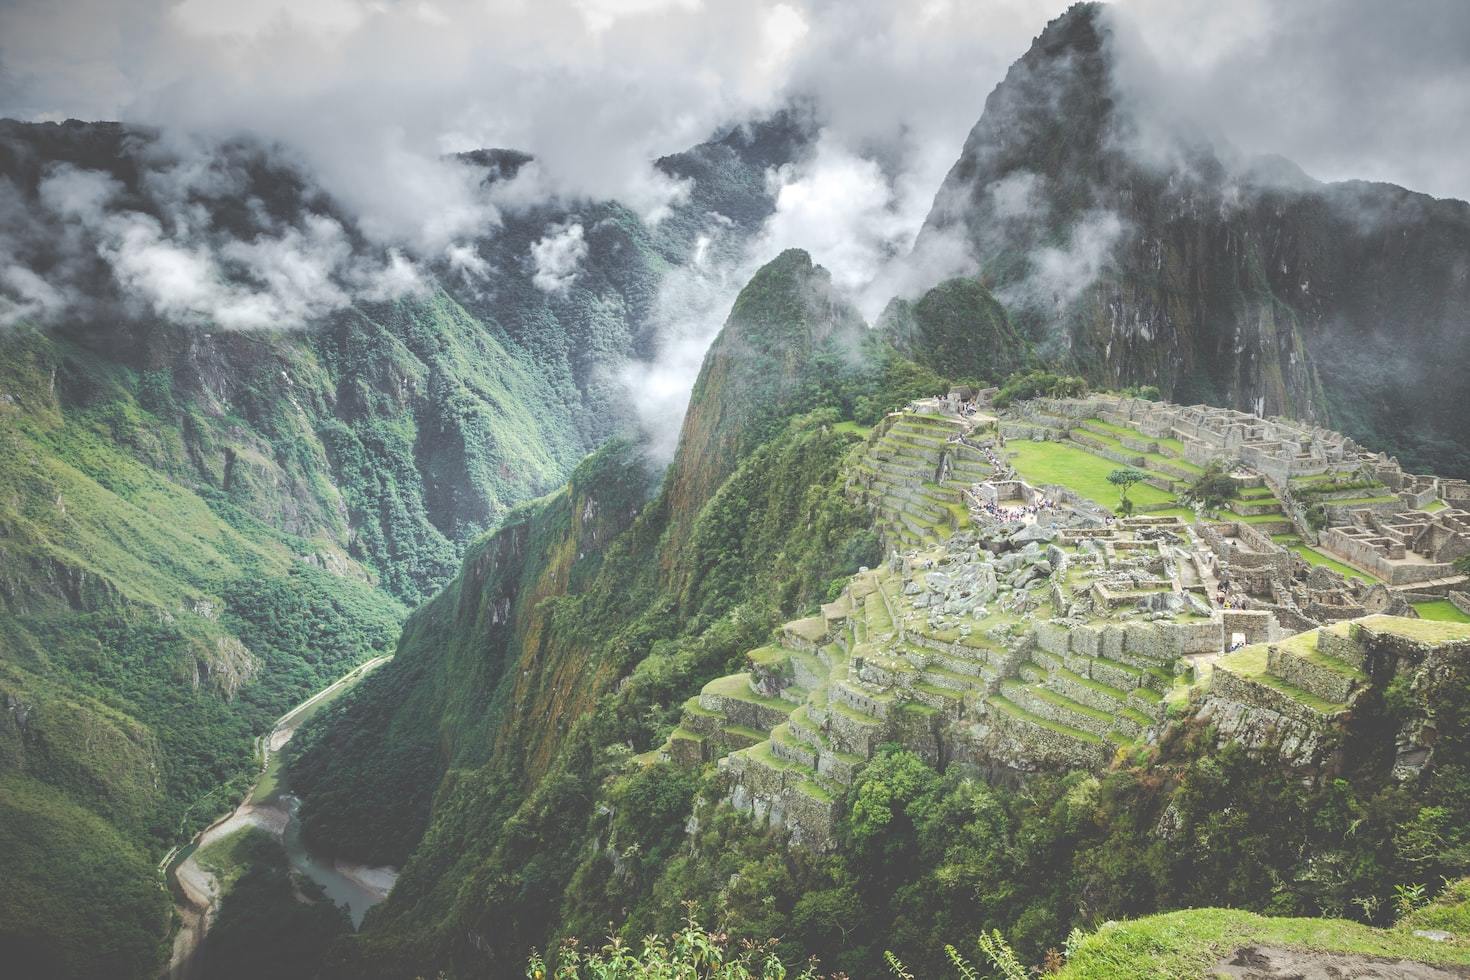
(1173, 445)
(737, 687)
(1041, 463)
(1011, 708)
(1315, 557)
(1304, 645)
(1250, 662)
(1230, 515)
(1441, 611)
(1149, 458)
(1422, 630)
(1194, 942)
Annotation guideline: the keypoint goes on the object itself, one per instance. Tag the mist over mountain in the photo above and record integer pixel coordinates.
(1136, 247)
(568, 364)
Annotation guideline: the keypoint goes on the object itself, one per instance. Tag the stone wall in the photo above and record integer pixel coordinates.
(1380, 555)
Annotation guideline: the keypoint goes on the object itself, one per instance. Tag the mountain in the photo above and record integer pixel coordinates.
(201, 524)
(576, 630)
(1134, 248)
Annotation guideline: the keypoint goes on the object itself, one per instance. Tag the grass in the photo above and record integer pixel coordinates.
(1067, 704)
(1360, 501)
(1276, 518)
(815, 790)
(230, 857)
(1422, 630)
(1002, 703)
(1250, 662)
(1441, 610)
(1173, 445)
(853, 427)
(1193, 942)
(1041, 463)
(1315, 557)
(767, 656)
(737, 687)
(1434, 506)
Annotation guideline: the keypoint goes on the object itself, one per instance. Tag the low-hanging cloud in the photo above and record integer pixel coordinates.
(557, 256)
(175, 263)
(369, 101)
(1344, 88)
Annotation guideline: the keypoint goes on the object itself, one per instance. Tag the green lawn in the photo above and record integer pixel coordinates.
(1040, 463)
(1441, 610)
(1193, 943)
(1315, 557)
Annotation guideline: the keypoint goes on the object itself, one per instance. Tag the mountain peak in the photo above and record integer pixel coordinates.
(754, 371)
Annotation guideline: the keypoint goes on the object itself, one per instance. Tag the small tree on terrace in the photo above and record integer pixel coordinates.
(1213, 489)
(1124, 479)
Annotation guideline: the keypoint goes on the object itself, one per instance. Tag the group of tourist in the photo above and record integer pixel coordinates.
(1020, 513)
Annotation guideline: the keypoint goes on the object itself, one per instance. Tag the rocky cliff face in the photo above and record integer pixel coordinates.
(1135, 249)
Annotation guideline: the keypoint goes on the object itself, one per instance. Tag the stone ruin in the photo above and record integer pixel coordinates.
(1019, 629)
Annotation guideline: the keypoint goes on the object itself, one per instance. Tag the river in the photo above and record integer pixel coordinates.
(197, 893)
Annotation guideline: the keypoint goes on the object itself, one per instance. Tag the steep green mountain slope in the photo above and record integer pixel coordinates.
(198, 526)
(578, 629)
(957, 327)
(514, 855)
(1137, 250)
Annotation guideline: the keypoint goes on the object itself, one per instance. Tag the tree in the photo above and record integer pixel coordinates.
(1124, 479)
(1212, 489)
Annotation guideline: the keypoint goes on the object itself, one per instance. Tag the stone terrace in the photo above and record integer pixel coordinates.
(1032, 645)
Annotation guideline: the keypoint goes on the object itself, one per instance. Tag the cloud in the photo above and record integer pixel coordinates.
(365, 99)
(1345, 88)
(1057, 275)
(557, 256)
(172, 260)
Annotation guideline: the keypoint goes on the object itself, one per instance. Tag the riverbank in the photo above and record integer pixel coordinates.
(197, 892)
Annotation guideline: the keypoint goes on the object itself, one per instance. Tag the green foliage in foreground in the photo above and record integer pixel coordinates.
(1194, 942)
(926, 859)
(1172, 946)
(690, 952)
(1038, 384)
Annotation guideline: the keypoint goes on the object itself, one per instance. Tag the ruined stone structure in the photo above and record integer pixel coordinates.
(1017, 628)
(1402, 548)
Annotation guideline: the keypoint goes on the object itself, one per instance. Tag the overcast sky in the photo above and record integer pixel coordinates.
(597, 87)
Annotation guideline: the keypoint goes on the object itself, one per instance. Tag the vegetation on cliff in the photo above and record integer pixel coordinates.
(201, 525)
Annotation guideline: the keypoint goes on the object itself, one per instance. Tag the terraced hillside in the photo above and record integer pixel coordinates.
(1030, 629)
(1021, 643)
(914, 477)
